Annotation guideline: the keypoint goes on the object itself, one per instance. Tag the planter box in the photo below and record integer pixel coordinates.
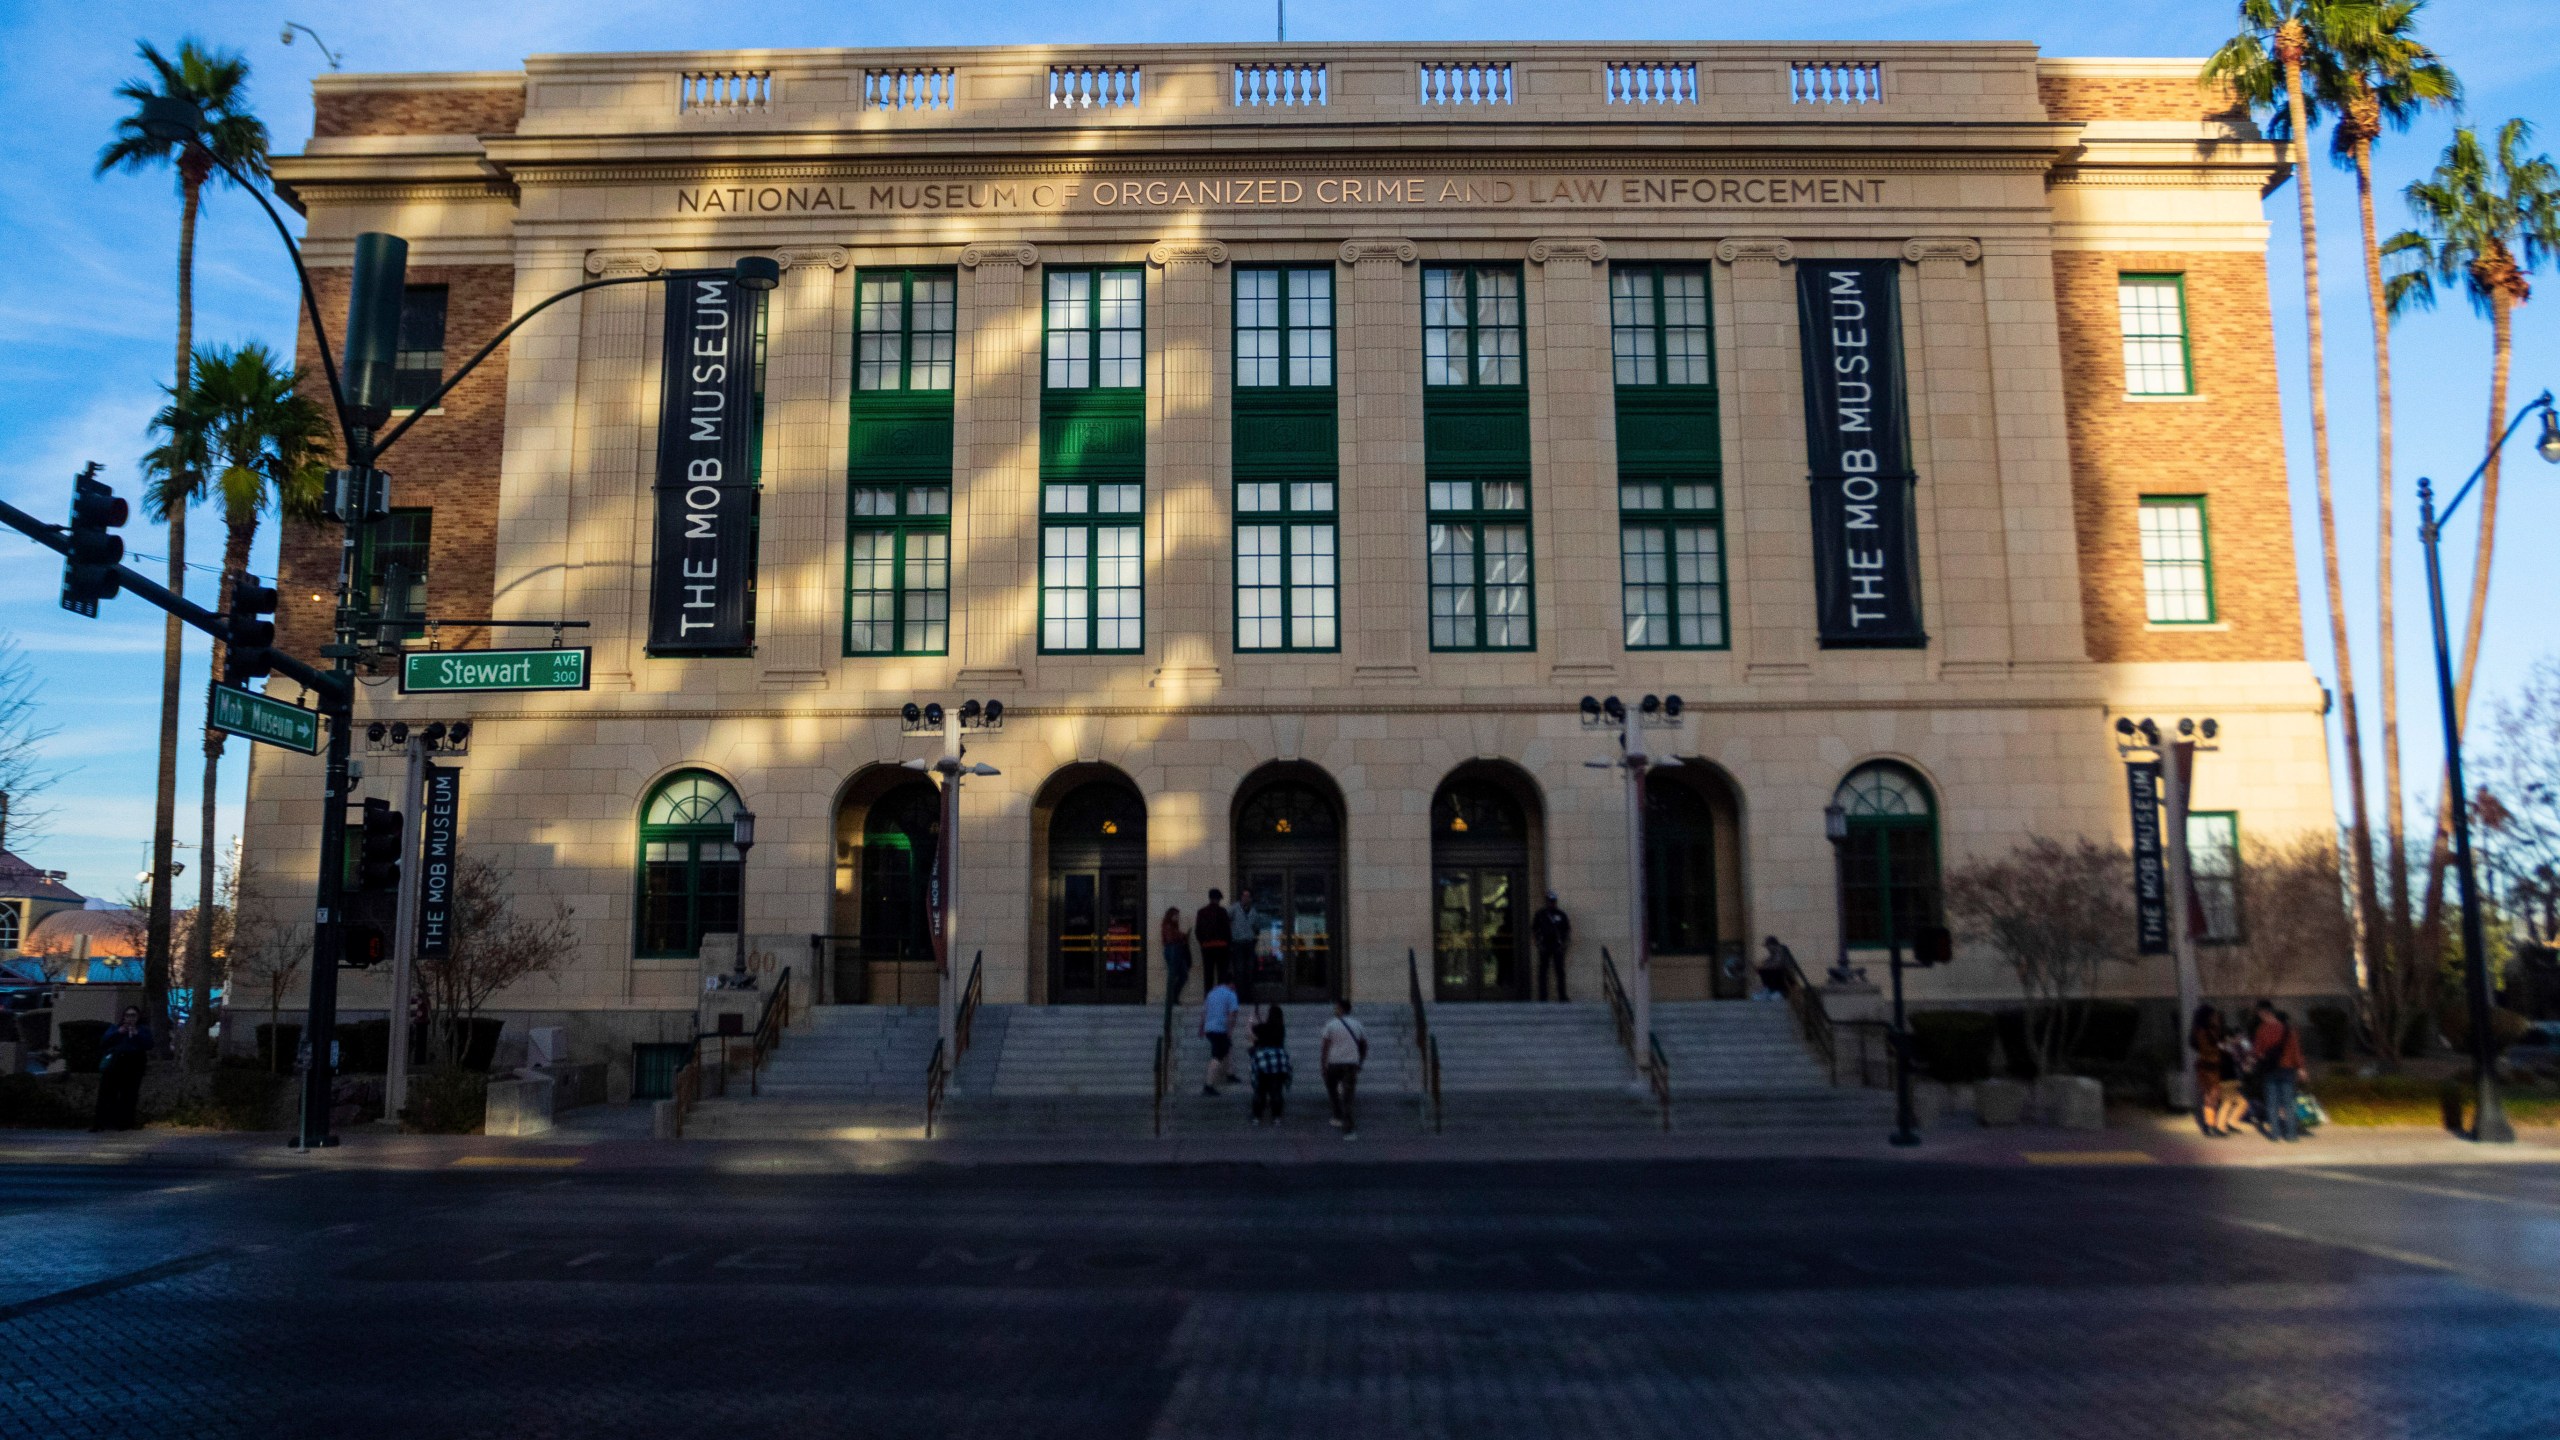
(2073, 1102)
(2000, 1102)
(519, 1107)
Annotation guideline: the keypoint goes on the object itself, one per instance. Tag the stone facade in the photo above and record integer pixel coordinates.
(2010, 189)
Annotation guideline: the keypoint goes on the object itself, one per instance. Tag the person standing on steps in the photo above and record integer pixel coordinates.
(1342, 1051)
(1270, 1065)
(1177, 955)
(1218, 1023)
(1551, 931)
(1210, 930)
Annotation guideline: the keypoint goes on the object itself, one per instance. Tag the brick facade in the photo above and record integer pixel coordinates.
(448, 463)
(2226, 444)
(2134, 97)
(337, 112)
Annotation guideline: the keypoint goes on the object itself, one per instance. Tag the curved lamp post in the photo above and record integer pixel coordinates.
(2489, 1119)
(372, 323)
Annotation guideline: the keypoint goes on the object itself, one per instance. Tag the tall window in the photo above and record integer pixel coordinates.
(905, 329)
(1889, 862)
(399, 538)
(2213, 860)
(8, 925)
(1658, 326)
(1097, 326)
(1471, 325)
(898, 540)
(2177, 561)
(689, 868)
(1286, 461)
(1671, 565)
(1092, 571)
(1287, 587)
(2153, 311)
(417, 362)
(898, 587)
(1479, 550)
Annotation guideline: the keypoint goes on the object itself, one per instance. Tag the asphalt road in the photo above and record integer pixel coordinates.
(1770, 1299)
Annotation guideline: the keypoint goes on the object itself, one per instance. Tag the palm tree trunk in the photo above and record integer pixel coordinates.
(235, 561)
(2391, 958)
(2501, 341)
(164, 814)
(2350, 732)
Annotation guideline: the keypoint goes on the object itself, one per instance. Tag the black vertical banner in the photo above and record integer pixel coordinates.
(702, 584)
(1866, 551)
(440, 811)
(2150, 869)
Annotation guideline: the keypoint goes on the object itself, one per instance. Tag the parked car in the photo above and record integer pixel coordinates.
(2537, 1051)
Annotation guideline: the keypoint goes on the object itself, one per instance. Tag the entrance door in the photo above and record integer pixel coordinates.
(1289, 860)
(895, 942)
(1480, 890)
(1098, 896)
(1477, 934)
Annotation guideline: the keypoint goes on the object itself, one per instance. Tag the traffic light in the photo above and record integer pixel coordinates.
(249, 653)
(89, 568)
(378, 852)
(365, 946)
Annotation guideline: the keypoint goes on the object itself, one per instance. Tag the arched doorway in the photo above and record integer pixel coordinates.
(1098, 894)
(1483, 828)
(1693, 885)
(1288, 851)
(888, 823)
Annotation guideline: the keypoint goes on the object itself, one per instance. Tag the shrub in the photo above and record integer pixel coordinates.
(446, 1100)
(364, 1047)
(2335, 1027)
(1954, 1046)
(82, 1043)
(30, 1102)
(278, 1046)
(2106, 1029)
(234, 1097)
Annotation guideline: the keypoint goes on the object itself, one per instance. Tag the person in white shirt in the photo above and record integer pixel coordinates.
(1345, 1050)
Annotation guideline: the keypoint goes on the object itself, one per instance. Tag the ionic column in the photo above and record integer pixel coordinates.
(995, 464)
(1965, 558)
(806, 371)
(1378, 342)
(1770, 588)
(1186, 522)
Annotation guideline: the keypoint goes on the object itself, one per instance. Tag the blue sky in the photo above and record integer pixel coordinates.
(87, 293)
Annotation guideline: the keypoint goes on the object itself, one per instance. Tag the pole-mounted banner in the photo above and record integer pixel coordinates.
(1866, 554)
(702, 587)
(2150, 868)
(442, 808)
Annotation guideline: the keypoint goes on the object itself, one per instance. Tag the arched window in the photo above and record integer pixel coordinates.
(1889, 861)
(8, 927)
(689, 869)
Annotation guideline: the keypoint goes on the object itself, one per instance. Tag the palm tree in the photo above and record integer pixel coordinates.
(2265, 64)
(2383, 76)
(217, 82)
(245, 432)
(2487, 220)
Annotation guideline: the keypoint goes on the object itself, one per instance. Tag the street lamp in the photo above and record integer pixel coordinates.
(742, 838)
(1659, 712)
(953, 766)
(2489, 1121)
(2141, 743)
(373, 317)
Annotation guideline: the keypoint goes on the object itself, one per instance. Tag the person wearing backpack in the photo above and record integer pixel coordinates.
(1344, 1049)
(1270, 1065)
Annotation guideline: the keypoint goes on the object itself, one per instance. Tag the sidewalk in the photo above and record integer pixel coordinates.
(602, 1145)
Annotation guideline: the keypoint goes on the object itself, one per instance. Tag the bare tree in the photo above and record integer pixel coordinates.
(493, 947)
(266, 953)
(25, 773)
(2059, 913)
(2518, 804)
(2294, 913)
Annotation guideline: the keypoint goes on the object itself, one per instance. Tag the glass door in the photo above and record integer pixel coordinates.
(1290, 952)
(1477, 935)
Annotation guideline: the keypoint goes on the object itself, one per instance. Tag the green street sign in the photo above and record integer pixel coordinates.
(434, 672)
(267, 721)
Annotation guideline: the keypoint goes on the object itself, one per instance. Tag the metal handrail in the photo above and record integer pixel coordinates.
(770, 1023)
(967, 1014)
(1811, 1017)
(1660, 1076)
(935, 1077)
(1620, 1010)
(1164, 1068)
(1425, 1044)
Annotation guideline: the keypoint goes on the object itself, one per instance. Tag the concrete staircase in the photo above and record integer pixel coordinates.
(1527, 1066)
(1742, 1063)
(841, 1071)
(1389, 1098)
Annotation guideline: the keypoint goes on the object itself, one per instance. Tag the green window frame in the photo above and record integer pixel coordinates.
(1288, 565)
(2152, 311)
(2213, 864)
(898, 571)
(1661, 326)
(906, 330)
(404, 538)
(1671, 564)
(1473, 326)
(1094, 327)
(2176, 541)
(1092, 568)
(691, 876)
(1888, 863)
(1482, 580)
(1284, 327)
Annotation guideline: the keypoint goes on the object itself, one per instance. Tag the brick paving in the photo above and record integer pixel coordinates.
(1770, 1297)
